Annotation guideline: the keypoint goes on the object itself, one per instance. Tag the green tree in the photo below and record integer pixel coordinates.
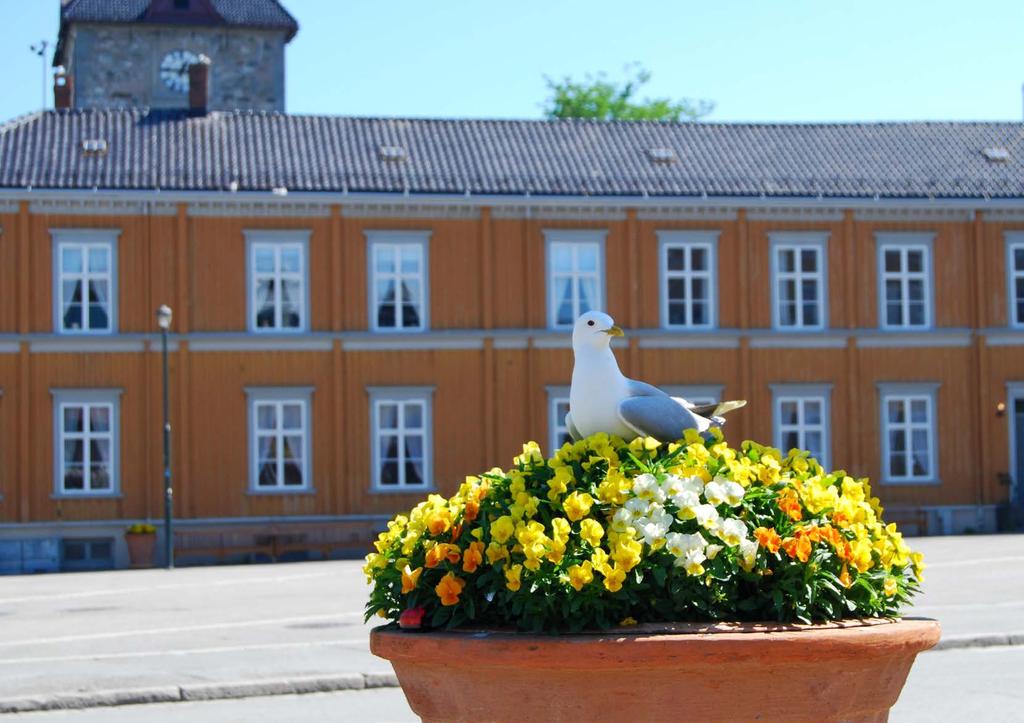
(599, 98)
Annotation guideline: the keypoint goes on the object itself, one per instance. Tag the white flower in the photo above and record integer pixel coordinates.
(748, 549)
(732, 531)
(622, 519)
(707, 516)
(713, 551)
(691, 562)
(686, 498)
(680, 545)
(714, 493)
(674, 485)
(654, 527)
(637, 507)
(733, 493)
(646, 487)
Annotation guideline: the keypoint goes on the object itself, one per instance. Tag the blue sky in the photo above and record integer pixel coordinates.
(774, 60)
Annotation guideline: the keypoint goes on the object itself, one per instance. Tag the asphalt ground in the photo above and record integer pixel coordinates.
(228, 632)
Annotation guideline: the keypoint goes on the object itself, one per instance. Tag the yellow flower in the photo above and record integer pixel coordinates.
(577, 505)
(559, 484)
(890, 586)
(531, 454)
(862, 555)
(591, 531)
(495, 552)
(600, 561)
(627, 553)
(374, 561)
(512, 577)
(410, 578)
(439, 521)
(560, 530)
(613, 578)
(449, 589)
(502, 529)
(627, 621)
(581, 575)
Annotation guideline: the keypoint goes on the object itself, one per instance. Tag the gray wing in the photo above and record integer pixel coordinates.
(660, 417)
(573, 432)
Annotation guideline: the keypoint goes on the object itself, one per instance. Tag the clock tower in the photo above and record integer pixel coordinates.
(136, 53)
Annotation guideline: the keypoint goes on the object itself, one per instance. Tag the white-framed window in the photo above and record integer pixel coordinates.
(799, 266)
(905, 280)
(1015, 277)
(280, 434)
(278, 270)
(908, 421)
(401, 421)
(802, 419)
(688, 271)
(85, 281)
(399, 280)
(696, 394)
(558, 407)
(575, 275)
(86, 442)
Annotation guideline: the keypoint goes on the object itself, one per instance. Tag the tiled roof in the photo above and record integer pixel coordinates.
(244, 13)
(261, 151)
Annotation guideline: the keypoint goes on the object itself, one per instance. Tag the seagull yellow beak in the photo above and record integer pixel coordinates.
(614, 331)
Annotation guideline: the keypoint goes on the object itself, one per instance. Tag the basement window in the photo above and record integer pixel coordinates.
(662, 155)
(996, 154)
(392, 153)
(94, 147)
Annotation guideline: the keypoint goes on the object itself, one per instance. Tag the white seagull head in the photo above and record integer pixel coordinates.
(594, 330)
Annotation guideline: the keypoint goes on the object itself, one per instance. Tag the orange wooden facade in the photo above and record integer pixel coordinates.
(487, 280)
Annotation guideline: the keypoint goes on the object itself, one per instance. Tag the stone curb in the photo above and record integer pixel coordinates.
(318, 684)
(199, 692)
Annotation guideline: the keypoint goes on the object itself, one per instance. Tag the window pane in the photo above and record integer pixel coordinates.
(292, 416)
(266, 416)
(812, 441)
(410, 316)
(73, 316)
(588, 294)
(892, 260)
(587, 256)
(812, 412)
(291, 318)
(916, 314)
(787, 290)
(389, 473)
(264, 260)
(915, 289)
(788, 413)
(387, 416)
(561, 258)
(677, 313)
(414, 472)
(413, 416)
(293, 473)
(915, 261)
(897, 465)
(787, 260)
(99, 476)
(384, 259)
(388, 447)
(811, 315)
(896, 411)
(410, 259)
(268, 474)
(98, 318)
(291, 291)
(73, 419)
(809, 288)
(414, 447)
(699, 259)
(291, 260)
(897, 440)
(787, 314)
(699, 288)
(72, 291)
(809, 260)
(700, 313)
(74, 450)
(676, 259)
(893, 290)
(790, 440)
(74, 477)
(265, 303)
(71, 260)
(1018, 258)
(267, 448)
(677, 289)
(292, 447)
(99, 419)
(99, 261)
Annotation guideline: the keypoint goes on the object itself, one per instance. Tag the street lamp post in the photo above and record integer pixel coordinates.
(163, 320)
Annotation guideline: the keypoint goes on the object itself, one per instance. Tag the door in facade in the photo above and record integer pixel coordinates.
(1017, 494)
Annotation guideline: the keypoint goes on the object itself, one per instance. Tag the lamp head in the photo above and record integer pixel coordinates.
(163, 317)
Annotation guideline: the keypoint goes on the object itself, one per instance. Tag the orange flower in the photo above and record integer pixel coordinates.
(844, 576)
(440, 552)
(799, 548)
(473, 556)
(812, 533)
(790, 504)
(449, 589)
(410, 578)
(768, 538)
(439, 521)
(471, 511)
(456, 532)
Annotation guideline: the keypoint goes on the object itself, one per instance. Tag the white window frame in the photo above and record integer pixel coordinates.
(256, 239)
(801, 394)
(1014, 242)
(797, 243)
(698, 394)
(1014, 392)
(393, 241)
(575, 239)
(280, 396)
(904, 242)
(556, 422)
(402, 395)
(87, 398)
(688, 241)
(85, 239)
(909, 392)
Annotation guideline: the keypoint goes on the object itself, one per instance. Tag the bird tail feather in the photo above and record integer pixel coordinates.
(718, 409)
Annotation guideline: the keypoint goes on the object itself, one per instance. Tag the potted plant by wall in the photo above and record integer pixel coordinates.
(141, 539)
(681, 581)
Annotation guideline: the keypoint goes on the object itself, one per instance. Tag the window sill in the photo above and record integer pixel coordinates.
(280, 492)
(86, 496)
(931, 482)
(402, 490)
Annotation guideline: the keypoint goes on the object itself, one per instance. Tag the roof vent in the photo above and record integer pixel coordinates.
(996, 154)
(94, 147)
(392, 153)
(662, 155)
(279, 191)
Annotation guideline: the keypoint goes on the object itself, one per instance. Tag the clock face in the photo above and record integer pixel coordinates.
(174, 69)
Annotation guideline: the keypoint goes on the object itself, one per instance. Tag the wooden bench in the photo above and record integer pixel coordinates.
(910, 520)
(271, 542)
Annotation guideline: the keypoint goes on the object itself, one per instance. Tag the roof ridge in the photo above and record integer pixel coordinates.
(21, 120)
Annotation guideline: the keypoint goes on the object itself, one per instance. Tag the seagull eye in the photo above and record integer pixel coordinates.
(590, 323)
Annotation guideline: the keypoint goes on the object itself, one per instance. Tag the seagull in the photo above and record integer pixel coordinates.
(602, 399)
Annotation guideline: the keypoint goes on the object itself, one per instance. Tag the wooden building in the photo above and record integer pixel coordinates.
(369, 309)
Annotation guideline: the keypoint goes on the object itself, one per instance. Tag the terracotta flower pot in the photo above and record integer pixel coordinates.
(849, 671)
(141, 548)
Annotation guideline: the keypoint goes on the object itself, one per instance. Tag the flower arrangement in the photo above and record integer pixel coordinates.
(141, 528)
(608, 533)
